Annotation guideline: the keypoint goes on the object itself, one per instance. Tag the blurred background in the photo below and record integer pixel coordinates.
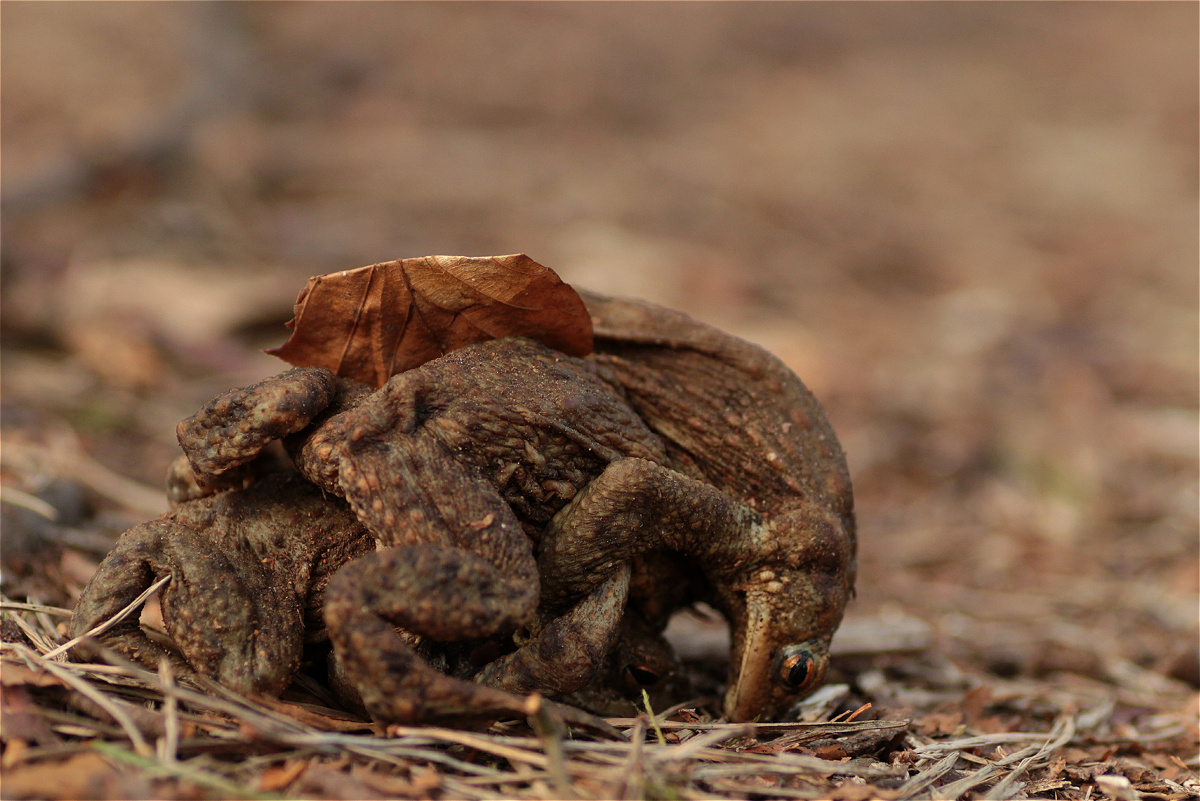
(970, 228)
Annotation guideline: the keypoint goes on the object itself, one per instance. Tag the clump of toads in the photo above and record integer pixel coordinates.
(503, 519)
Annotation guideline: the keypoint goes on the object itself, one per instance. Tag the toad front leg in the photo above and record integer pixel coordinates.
(233, 428)
(460, 568)
(780, 593)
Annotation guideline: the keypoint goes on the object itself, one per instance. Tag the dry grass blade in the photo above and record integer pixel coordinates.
(478, 742)
(550, 730)
(802, 763)
(975, 778)
(168, 746)
(698, 744)
(1063, 730)
(999, 738)
(239, 708)
(1028, 757)
(210, 737)
(31, 502)
(42, 638)
(181, 770)
(95, 631)
(64, 454)
(26, 607)
(634, 769)
(474, 765)
(96, 696)
(926, 778)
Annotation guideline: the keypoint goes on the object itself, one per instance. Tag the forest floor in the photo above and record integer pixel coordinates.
(971, 229)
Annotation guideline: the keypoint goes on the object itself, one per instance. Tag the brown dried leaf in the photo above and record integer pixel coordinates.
(23, 722)
(15, 673)
(371, 323)
(83, 775)
(278, 778)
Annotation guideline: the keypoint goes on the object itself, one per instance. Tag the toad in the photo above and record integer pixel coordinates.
(754, 495)
(516, 492)
(248, 573)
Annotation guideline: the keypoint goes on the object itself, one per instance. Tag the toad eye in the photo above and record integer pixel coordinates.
(799, 667)
(639, 676)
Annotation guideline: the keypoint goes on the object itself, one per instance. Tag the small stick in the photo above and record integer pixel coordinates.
(112, 621)
(550, 729)
(169, 744)
(123, 720)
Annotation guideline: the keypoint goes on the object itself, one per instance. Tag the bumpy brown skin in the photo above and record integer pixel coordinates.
(248, 574)
(456, 467)
(640, 659)
(232, 429)
(756, 491)
(467, 467)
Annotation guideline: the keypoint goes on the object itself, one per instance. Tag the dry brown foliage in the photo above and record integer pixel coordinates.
(373, 322)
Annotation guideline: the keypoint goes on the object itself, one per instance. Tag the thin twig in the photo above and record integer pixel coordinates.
(634, 774)
(99, 629)
(106, 703)
(169, 744)
(550, 730)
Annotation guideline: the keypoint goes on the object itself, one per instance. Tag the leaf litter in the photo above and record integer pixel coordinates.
(1058, 454)
(907, 725)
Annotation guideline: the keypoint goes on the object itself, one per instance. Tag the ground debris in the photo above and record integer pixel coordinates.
(969, 228)
(118, 731)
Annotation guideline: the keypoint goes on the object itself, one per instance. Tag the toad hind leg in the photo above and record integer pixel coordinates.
(636, 506)
(570, 648)
(439, 592)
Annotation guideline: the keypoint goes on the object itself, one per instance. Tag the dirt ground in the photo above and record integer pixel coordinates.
(970, 228)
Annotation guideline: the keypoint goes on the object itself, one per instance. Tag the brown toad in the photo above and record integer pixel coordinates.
(248, 573)
(517, 492)
(455, 467)
(755, 494)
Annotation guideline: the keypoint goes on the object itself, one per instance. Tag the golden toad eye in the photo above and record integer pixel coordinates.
(639, 676)
(798, 667)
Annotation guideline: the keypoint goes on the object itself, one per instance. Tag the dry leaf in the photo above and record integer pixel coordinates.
(17, 674)
(371, 323)
(23, 721)
(278, 778)
(84, 775)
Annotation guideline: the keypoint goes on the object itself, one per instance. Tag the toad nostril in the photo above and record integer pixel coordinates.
(637, 676)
